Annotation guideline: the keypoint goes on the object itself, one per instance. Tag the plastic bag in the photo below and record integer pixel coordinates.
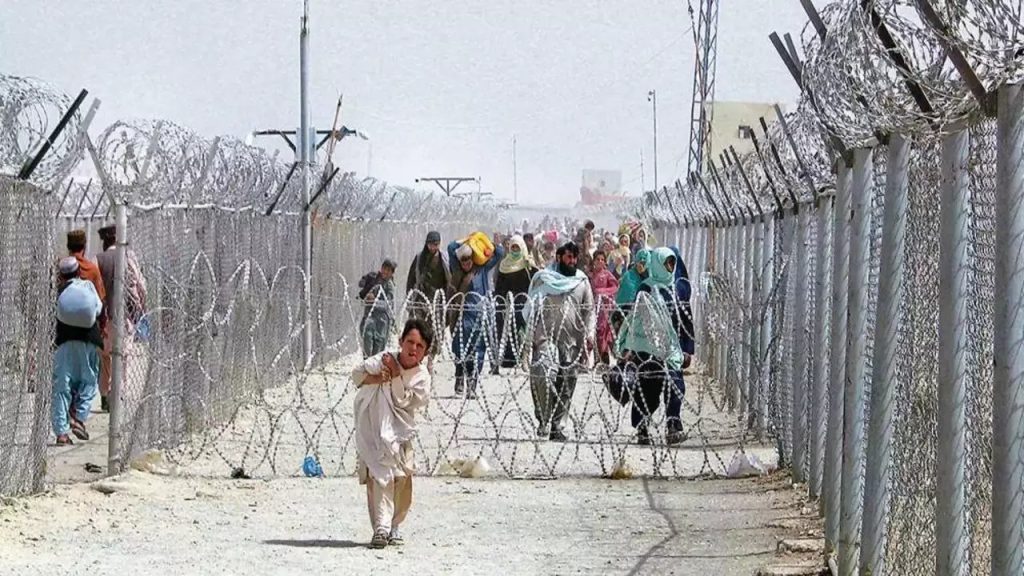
(143, 329)
(744, 465)
(620, 380)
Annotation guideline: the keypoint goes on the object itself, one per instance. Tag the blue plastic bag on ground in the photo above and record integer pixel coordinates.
(311, 468)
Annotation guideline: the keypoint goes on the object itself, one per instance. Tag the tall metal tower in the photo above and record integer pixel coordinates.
(705, 39)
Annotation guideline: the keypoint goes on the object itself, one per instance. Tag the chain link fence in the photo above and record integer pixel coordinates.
(26, 302)
(906, 143)
(209, 353)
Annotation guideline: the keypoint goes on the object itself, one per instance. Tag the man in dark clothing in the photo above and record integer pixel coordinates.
(377, 291)
(76, 359)
(428, 275)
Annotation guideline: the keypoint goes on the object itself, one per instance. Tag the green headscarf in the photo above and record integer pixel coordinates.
(648, 328)
(631, 280)
(658, 275)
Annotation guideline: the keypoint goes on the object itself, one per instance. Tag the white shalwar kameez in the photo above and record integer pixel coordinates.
(385, 419)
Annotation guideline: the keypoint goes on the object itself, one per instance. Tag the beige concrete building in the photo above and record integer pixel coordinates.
(732, 122)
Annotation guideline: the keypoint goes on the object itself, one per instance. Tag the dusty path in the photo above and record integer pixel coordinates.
(204, 523)
(165, 525)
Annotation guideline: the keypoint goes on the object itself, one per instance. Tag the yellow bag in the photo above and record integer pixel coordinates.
(482, 247)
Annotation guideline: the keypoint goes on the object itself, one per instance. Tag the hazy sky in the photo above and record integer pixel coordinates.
(441, 86)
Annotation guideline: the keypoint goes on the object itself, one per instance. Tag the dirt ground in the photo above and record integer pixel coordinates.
(152, 525)
(515, 520)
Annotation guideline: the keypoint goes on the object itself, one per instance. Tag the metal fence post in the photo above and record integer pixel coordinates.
(728, 366)
(114, 462)
(721, 346)
(819, 354)
(883, 379)
(768, 322)
(853, 402)
(1008, 381)
(754, 332)
(950, 457)
(837, 366)
(696, 269)
(784, 389)
(799, 357)
(743, 313)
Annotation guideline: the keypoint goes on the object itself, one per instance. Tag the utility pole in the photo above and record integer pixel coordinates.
(643, 184)
(304, 142)
(652, 97)
(515, 175)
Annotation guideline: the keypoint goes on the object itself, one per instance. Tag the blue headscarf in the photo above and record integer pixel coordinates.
(683, 293)
(682, 279)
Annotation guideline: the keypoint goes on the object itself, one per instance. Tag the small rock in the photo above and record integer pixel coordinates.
(802, 545)
(104, 487)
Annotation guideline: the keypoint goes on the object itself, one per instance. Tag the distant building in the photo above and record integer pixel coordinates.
(732, 124)
(601, 187)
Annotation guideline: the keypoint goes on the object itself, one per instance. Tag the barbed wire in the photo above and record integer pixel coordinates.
(29, 111)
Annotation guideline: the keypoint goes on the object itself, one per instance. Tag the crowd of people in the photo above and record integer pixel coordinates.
(555, 302)
(556, 308)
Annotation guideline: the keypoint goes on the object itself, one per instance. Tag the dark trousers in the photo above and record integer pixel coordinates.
(657, 384)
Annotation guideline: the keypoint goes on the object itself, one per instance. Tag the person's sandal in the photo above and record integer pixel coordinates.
(78, 429)
(643, 437)
(675, 437)
(64, 440)
(379, 540)
(395, 539)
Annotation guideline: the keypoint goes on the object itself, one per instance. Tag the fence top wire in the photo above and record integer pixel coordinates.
(29, 111)
(160, 164)
(882, 67)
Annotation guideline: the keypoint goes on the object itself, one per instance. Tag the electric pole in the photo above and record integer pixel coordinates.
(652, 97)
(515, 175)
(304, 141)
(643, 184)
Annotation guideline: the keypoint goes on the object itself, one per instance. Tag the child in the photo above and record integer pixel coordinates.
(377, 291)
(393, 386)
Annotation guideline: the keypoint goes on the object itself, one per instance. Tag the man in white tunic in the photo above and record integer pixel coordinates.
(392, 387)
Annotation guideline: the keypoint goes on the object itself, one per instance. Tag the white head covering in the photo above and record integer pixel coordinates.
(464, 251)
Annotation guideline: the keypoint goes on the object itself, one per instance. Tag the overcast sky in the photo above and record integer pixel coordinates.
(440, 86)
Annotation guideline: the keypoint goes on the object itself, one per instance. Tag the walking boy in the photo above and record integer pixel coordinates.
(393, 387)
